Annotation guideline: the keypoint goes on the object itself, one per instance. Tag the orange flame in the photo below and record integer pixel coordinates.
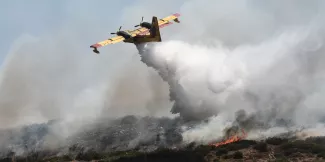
(232, 139)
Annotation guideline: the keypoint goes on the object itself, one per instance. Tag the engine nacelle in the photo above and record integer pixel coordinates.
(146, 25)
(124, 34)
(95, 50)
(176, 20)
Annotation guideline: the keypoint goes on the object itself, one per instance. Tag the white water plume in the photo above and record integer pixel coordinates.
(267, 80)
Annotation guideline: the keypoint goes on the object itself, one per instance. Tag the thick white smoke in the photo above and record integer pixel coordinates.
(52, 74)
(276, 82)
(55, 75)
(212, 75)
(261, 57)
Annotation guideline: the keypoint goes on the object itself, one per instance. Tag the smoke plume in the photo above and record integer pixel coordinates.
(263, 74)
(252, 64)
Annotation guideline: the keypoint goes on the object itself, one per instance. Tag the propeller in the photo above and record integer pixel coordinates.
(118, 30)
(140, 22)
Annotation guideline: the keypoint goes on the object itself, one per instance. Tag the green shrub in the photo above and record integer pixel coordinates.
(165, 155)
(261, 147)
(282, 159)
(316, 140)
(89, 155)
(191, 146)
(226, 157)
(288, 152)
(276, 141)
(204, 149)
(221, 151)
(321, 155)
(57, 159)
(7, 159)
(302, 146)
(238, 155)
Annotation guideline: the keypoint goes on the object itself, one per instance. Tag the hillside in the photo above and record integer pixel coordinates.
(272, 149)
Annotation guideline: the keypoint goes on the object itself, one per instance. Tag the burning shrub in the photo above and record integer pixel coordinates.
(261, 147)
(238, 145)
(238, 155)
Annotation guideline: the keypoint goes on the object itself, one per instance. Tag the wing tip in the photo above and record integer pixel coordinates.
(177, 14)
(164, 25)
(95, 45)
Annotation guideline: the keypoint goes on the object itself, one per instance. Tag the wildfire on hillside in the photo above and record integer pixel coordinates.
(231, 139)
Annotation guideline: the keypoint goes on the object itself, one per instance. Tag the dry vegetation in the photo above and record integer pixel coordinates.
(272, 149)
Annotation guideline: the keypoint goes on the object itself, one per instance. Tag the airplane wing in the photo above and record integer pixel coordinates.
(107, 42)
(139, 31)
(169, 18)
(162, 23)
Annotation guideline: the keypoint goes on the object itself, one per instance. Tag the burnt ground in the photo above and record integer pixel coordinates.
(147, 139)
(272, 149)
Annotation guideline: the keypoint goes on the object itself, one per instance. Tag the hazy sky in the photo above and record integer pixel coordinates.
(44, 48)
(51, 73)
(36, 17)
(48, 63)
(33, 17)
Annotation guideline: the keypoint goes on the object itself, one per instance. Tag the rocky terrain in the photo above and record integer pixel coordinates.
(271, 149)
(147, 139)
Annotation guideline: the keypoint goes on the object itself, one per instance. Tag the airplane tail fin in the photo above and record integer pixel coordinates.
(154, 31)
(153, 36)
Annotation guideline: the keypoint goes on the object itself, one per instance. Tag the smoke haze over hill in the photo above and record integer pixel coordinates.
(252, 64)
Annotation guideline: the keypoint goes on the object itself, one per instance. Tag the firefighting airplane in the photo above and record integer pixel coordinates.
(148, 32)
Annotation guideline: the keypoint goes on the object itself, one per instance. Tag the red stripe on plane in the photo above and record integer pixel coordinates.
(160, 26)
(177, 15)
(96, 45)
(164, 25)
